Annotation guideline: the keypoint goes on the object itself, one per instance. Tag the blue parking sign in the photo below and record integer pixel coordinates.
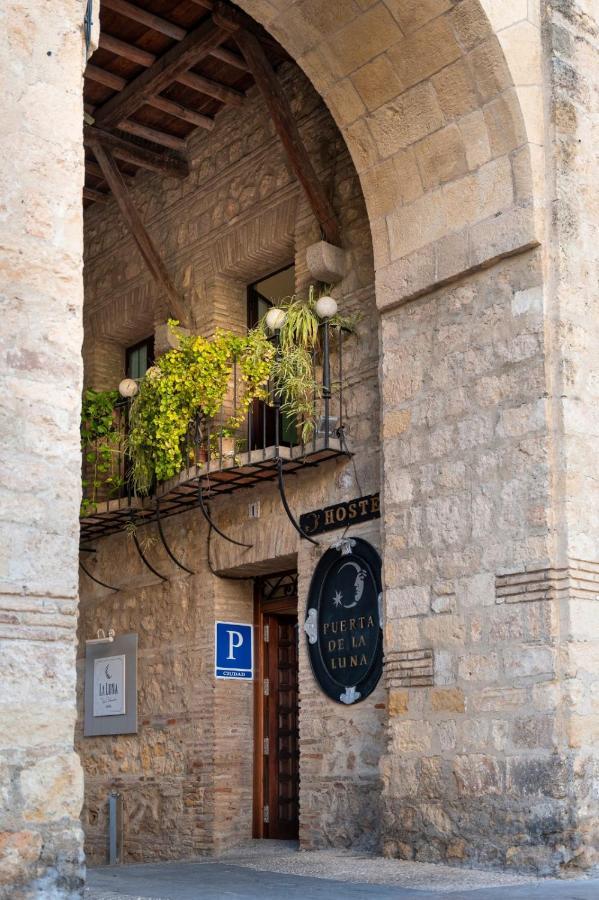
(233, 650)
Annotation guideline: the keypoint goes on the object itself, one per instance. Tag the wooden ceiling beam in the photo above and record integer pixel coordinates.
(101, 76)
(96, 196)
(221, 92)
(152, 134)
(182, 112)
(175, 62)
(200, 83)
(136, 14)
(232, 59)
(282, 116)
(141, 237)
(125, 50)
(166, 163)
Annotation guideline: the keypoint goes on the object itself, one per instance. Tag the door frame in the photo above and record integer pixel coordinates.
(262, 607)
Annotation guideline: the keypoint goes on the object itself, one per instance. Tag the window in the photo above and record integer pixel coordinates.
(139, 358)
(261, 296)
(268, 292)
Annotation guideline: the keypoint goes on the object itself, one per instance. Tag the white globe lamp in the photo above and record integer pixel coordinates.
(326, 307)
(128, 388)
(275, 318)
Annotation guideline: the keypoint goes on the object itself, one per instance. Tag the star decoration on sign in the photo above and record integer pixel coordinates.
(337, 598)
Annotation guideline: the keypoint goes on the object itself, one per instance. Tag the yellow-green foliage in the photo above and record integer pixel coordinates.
(192, 379)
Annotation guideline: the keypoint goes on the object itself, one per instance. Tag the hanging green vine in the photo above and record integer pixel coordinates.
(192, 383)
(192, 379)
(102, 447)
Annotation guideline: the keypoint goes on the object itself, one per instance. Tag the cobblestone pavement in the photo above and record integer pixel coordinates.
(270, 870)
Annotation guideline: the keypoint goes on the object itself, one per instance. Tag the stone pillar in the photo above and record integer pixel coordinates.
(221, 302)
(41, 62)
(571, 296)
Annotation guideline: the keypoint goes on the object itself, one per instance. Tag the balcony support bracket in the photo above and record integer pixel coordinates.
(286, 507)
(143, 557)
(206, 514)
(164, 541)
(110, 587)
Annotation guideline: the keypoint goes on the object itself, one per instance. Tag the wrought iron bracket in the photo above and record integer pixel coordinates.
(111, 587)
(206, 514)
(290, 515)
(164, 541)
(143, 557)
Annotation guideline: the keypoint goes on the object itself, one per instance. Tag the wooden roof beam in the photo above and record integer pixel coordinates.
(282, 116)
(165, 163)
(176, 61)
(203, 85)
(136, 14)
(125, 50)
(232, 59)
(130, 11)
(152, 134)
(141, 237)
(200, 83)
(101, 76)
(181, 112)
(96, 196)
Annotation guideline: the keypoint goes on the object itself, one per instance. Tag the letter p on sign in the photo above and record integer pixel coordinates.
(233, 650)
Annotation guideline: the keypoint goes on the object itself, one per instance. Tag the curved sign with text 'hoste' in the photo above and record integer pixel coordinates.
(343, 621)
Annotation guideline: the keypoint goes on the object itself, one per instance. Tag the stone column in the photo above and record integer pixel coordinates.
(570, 298)
(41, 62)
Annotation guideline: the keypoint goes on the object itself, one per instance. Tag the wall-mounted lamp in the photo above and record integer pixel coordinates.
(128, 388)
(102, 638)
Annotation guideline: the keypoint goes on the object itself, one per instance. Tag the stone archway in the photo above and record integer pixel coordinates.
(441, 110)
(440, 104)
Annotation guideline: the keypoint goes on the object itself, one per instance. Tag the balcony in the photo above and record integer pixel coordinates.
(266, 447)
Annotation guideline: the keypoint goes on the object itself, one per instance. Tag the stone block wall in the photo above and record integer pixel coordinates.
(187, 776)
(478, 765)
(41, 177)
(572, 43)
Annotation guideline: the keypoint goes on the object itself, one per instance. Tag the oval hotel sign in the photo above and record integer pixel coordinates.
(343, 622)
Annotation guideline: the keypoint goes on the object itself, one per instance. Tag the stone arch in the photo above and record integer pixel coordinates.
(438, 101)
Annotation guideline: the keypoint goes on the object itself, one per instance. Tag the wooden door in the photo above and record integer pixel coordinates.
(276, 808)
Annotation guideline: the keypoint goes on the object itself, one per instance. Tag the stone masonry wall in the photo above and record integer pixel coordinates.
(477, 766)
(572, 45)
(187, 776)
(41, 177)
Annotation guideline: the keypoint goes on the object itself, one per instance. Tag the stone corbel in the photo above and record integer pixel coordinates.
(326, 262)
(165, 339)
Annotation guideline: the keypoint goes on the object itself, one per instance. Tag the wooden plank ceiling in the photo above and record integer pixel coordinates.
(162, 69)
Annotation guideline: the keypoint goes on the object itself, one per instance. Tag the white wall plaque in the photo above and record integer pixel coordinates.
(111, 696)
(109, 686)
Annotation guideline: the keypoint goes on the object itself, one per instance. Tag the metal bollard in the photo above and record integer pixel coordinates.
(115, 828)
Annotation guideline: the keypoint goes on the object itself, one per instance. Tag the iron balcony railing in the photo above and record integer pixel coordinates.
(267, 434)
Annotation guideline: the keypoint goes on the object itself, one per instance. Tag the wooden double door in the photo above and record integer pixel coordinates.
(276, 757)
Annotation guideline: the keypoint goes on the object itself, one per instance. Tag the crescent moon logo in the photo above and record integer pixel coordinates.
(107, 672)
(358, 583)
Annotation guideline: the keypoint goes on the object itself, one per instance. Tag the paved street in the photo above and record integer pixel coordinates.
(273, 870)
